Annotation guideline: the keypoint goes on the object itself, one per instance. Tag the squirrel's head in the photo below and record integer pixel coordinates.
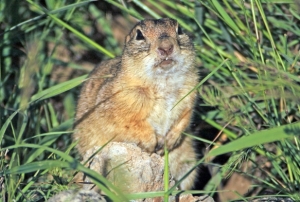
(159, 47)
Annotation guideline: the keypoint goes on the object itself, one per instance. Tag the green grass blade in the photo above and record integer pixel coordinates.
(58, 89)
(225, 16)
(71, 164)
(74, 31)
(64, 8)
(6, 124)
(260, 137)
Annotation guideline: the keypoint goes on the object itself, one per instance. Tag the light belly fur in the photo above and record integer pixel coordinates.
(164, 115)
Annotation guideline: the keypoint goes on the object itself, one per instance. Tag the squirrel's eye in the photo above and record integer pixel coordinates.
(179, 30)
(139, 35)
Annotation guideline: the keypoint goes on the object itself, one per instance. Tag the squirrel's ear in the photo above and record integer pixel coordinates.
(127, 38)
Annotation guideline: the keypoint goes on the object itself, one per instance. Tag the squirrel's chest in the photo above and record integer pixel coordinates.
(164, 112)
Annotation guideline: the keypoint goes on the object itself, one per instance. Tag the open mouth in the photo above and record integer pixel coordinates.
(166, 63)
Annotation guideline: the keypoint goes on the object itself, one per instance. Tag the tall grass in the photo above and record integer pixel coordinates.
(248, 54)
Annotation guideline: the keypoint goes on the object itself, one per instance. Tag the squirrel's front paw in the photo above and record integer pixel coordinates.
(148, 145)
(172, 140)
(159, 149)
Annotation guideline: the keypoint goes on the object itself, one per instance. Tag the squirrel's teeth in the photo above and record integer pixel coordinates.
(167, 58)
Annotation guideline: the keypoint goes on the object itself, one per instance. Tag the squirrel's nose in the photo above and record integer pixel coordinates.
(165, 47)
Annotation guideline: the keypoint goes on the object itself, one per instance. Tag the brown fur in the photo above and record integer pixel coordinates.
(132, 98)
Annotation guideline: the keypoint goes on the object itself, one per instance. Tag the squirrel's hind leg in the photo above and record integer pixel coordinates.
(181, 160)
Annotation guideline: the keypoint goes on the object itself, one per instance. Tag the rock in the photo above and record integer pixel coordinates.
(129, 169)
(191, 198)
(77, 196)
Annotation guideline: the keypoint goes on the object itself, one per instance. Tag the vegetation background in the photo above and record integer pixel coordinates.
(247, 117)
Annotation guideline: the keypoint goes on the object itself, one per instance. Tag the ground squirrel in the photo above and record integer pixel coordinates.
(138, 97)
